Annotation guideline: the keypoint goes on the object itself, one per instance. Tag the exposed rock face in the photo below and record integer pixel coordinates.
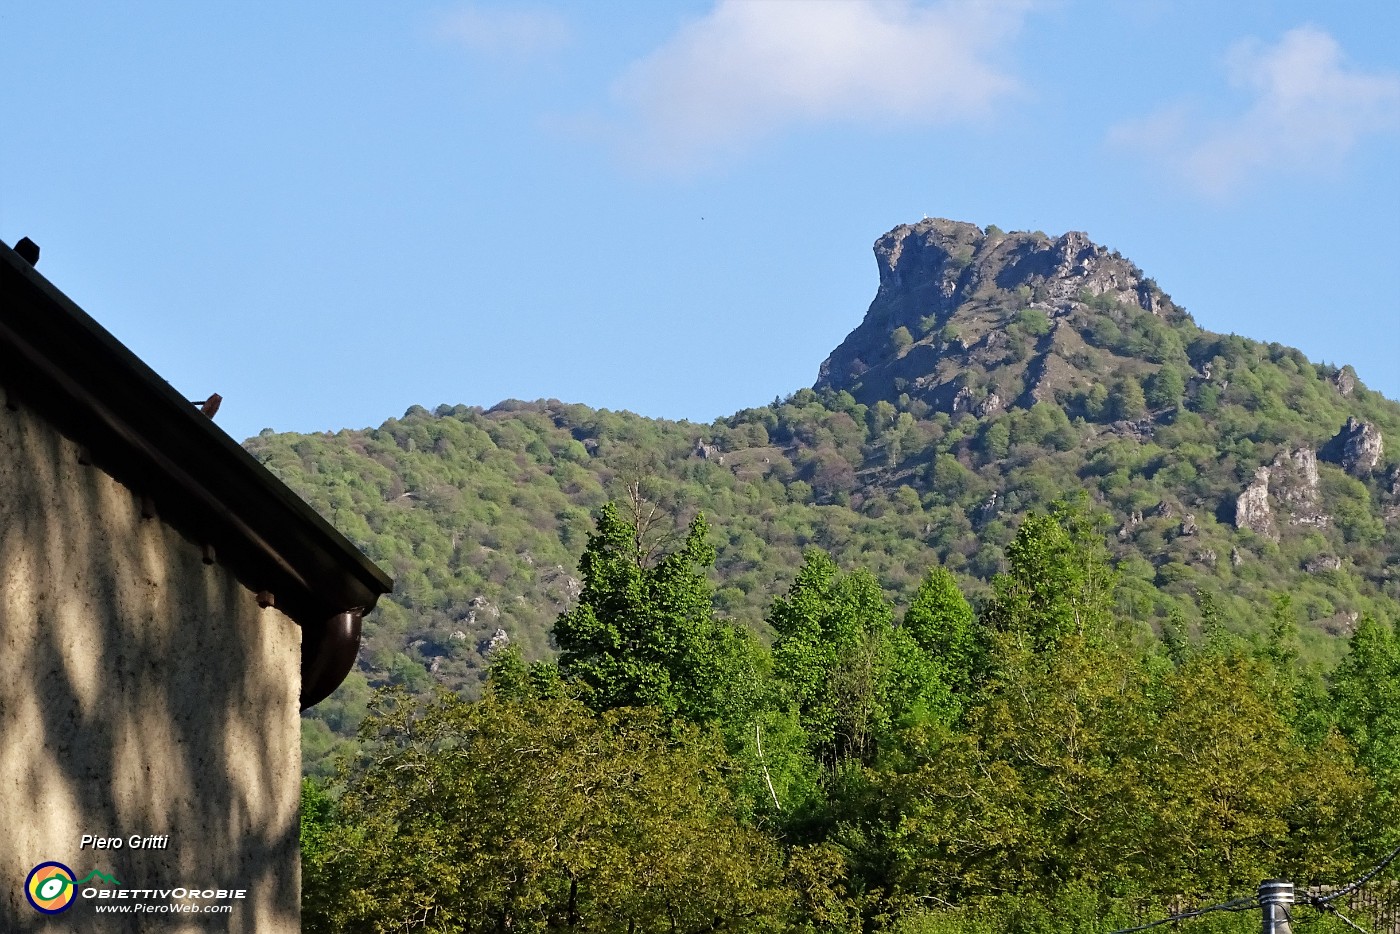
(1294, 483)
(561, 586)
(962, 400)
(479, 607)
(990, 405)
(1345, 380)
(988, 510)
(1340, 624)
(1252, 509)
(1363, 449)
(1295, 477)
(1320, 563)
(1357, 448)
(1290, 483)
(961, 292)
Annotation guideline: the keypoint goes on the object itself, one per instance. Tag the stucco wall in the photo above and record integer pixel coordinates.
(142, 692)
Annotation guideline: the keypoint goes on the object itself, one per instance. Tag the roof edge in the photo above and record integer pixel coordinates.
(59, 360)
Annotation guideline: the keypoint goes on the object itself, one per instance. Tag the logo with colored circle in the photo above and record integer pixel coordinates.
(49, 888)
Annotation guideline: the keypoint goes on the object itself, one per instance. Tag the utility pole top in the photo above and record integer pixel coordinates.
(1275, 897)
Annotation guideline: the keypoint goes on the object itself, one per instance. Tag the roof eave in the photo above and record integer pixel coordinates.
(137, 427)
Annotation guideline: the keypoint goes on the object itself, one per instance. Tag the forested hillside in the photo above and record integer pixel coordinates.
(993, 374)
(1044, 610)
(1033, 767)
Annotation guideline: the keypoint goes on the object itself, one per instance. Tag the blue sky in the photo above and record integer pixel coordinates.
(328, 212)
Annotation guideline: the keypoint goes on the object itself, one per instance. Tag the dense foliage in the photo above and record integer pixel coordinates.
(482, 516)
(1037, 767)
(973, 639)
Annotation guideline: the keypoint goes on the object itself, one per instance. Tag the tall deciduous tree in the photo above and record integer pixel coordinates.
(850, 675)
(1058, 579)
(1366, 697)
(1085, 767)
(533, 816)
(941, 621)
(643, 632)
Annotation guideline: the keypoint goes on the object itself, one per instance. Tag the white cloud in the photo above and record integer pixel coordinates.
(750, 70)
(505, 33)
(1306, 110)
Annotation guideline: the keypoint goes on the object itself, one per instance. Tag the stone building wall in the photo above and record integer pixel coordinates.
(143, 693)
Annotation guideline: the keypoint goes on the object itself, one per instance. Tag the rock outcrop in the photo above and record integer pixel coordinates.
(1345, 380)
(1357, 448)
(1294, 483)
(1291, 483)
(975, 300)
(1252, 510)
(1319, 563)
(480, 607)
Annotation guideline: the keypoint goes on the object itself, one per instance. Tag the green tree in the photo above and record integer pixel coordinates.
(850, 676)
(1127, 398)
(996, 438)
(527, 817)
(1366, 699)
(1034, 322)
(829, 626)
(1029, 797)
(1096, 405)
(643, 632)
(1087, 766)
(940, 620)
(1165, 387)
(882, 416)
(901, 339)
(1058, 580)
(1222, 806)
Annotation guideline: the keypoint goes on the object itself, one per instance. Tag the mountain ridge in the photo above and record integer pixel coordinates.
(1049, 366)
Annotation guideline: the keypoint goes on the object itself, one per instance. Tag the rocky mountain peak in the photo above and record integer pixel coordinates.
(960, 259)
(957, 302)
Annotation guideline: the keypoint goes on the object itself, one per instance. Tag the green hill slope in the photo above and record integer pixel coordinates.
(992, 374)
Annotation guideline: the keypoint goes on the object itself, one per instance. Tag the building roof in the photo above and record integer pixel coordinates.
(56, 359)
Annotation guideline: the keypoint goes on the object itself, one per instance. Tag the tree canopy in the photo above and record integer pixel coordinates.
(1034, 766)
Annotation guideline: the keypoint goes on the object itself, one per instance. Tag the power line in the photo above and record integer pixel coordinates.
(1343, 918)
(1322, 903)
(1247, 903)
(1325, 901)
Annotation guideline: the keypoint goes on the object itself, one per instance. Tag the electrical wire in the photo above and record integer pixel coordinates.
(1247, 903)
(1332, 909)
(1325, 901)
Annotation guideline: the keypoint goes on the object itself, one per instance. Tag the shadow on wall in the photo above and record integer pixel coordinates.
(142, 692)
